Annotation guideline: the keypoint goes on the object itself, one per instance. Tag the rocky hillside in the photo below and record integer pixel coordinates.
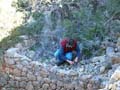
(20, 72)
(26, 55)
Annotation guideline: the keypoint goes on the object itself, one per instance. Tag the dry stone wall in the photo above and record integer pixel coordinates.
(21, 73)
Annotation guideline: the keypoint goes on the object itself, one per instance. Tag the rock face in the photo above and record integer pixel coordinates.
(114, 82)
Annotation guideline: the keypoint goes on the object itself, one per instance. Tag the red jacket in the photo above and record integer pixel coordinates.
(66, 49)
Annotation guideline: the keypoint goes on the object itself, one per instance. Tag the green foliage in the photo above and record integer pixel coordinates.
(21, 4)
(35, 47)
(37, 15)
(86, 52)
(10, 40)
(67, 24)
(27, 29)
(54, 20)
(1, 56)
(113, 6)
(87, 26)
(80, 23)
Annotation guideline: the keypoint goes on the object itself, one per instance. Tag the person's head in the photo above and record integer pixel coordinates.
(70, 43)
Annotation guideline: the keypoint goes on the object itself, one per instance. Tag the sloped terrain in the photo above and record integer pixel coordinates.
(27, 54)
(20, 72)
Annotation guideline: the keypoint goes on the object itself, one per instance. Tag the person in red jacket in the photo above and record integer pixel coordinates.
(66, 50)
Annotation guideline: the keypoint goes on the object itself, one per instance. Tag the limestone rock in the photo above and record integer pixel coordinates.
(17, 72)
(109, 51)
(23, 84)
(23, 37)
(116, 75)
(28, 43)
(19, 45)
(24, 74)
(25, 63)
(46, 80)
(29, 86)
(85, 77)
(3, 81)
(69, 86)
(118, 85)
(102, 69)
(19, 66)
(45, 86)
(36, 83)
(31, 77)
(10, 52)
(44, 73)
(11, 83)
(30, 54)
(24, 58)
(53, 86)
(59, 84)
(9, 61)
(3, 89)
(17, 84)
(98, 59)
(73, 73)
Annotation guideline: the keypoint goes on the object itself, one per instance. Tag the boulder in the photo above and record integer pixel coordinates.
(109, 51)
(116, 75)
(98, 59)
(114, 82)
(11, 52)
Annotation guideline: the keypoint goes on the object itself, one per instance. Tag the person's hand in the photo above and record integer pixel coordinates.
(76, 59)
(70, 62)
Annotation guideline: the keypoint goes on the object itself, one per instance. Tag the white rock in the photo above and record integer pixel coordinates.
(109, 51)
(25, 63)
(31, 77)
(25, 58)
(9, 61)
(102, 69)
(19, 66)
(19, 45)
(98, 59)
(31, 54)
(33, 63)
(73, 73)
(23, 37)
(45, 86)
(17, 72)
(16, 55)
(81, 69)
(85, 77)
(11, 52)
(116, 75)
(112, 87)
(29, 86)
(3, 89)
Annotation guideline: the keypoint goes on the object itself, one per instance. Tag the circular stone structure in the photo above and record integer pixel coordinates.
(19, 72)
(25, 74)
